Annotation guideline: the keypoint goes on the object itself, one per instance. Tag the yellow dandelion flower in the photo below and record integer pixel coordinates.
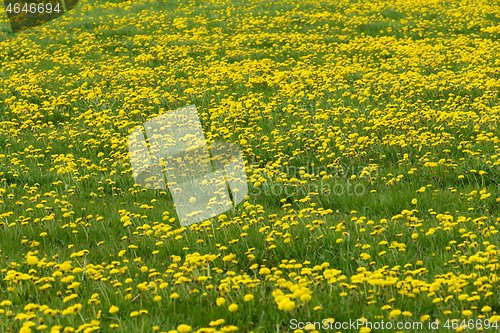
(184, 328)
(32, 260)
(264, 271)
(288, 306)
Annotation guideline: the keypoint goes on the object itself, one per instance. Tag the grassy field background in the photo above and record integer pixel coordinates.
(370, 133)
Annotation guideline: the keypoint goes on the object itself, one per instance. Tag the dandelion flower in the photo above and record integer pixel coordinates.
(184, 328)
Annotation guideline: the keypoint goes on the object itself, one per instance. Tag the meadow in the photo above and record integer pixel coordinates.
(370, 131)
